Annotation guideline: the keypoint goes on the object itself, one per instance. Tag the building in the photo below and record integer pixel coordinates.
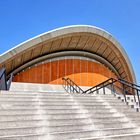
(80, 52)
(86, 54)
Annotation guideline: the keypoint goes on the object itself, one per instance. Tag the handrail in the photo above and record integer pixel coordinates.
(111, 79)
(129, 82)
(133, 88)
(2, 71)
(125, 87)
(4, 84)
(9, 81)
(72, 86)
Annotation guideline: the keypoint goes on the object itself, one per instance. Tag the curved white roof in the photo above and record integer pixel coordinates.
(103, 44)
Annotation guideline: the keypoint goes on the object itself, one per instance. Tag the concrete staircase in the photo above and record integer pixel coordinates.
(47, 112)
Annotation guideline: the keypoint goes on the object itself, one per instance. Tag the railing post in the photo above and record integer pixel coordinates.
(3, 82)
(97, 92)
(103, 89)
(67, 85)
(70, 88)
(64, 83)
(76, 88)
(112, 88)
(134, 94)
(9, 81)
(134, 98)
(124, 94)
(138, 97)
(73, 88)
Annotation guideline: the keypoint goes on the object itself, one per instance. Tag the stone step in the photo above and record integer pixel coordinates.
(61, 106)
(52, 97)
(73, 108)
(66, 110)
(59, 112)
(66, 98)
(56, 115)
(133, 136)
(26, 93)
(66, 123)
(42, 117)
(33, 93)
(64, 107)
(37, 102)
(35, 87)
(95, 133)
(60, 117)
(58, 99)
(56, 110)
(59, 120)
(39, 134)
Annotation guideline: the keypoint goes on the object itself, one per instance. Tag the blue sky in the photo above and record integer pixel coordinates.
(22, 19)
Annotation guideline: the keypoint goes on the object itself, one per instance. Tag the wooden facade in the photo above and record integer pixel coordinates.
(82, 72)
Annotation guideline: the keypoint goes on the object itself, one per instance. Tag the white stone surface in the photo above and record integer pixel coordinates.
(53, 115)
(17, 86)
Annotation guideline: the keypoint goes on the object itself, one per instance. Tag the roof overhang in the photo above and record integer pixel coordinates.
(83, 38)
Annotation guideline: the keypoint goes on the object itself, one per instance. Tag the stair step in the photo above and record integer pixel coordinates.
(48, 98)
(62, 112)
(135, 136)
(38, 133)
(67, 123)
(58, 103)
(56, 100)
(64, 107)
(32, 93)
(59, 117)
(65, 111)
(52, 115)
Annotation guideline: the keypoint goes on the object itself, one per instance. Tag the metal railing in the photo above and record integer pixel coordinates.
(5, 82)
(70, 86)
(117, 86)
(120, 86)
(129, 83)
(9, 80)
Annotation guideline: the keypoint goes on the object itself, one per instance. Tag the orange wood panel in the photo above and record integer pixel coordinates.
(76, 69)
(61, 72)
(47, 73)
(69, 67)
(26, 75)
(90, 71)
(83, 72)
(54, 66)
(42, 68)
(96, 68)
(39, 74)
(31, 76)
(84, 76)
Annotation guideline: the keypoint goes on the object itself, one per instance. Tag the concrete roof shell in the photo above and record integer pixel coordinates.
(71, 38)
